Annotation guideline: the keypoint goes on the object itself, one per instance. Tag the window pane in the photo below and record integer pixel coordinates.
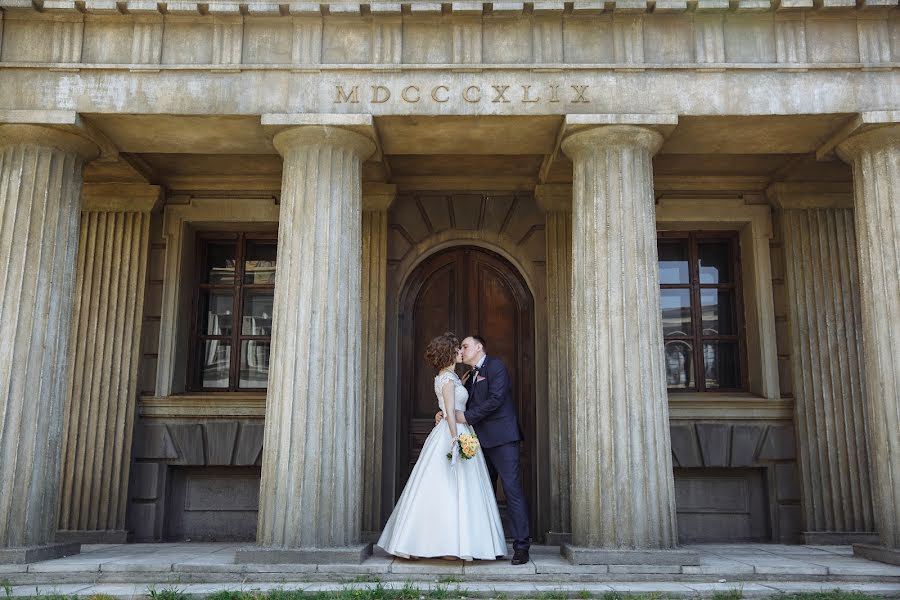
(676, 312)
(259, 262)
(257, 313)
(715, 261)
(717, 311)
(679, 367)
(220, 261)
(215, 360)
(673, 261)
(254, 364)
(215, 312)
(720, 364)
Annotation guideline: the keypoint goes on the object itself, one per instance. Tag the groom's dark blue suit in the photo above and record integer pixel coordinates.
(492, 412)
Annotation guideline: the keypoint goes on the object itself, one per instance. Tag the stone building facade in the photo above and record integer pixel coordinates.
(676, 221)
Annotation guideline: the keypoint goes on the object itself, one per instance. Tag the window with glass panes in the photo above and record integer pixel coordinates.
(232, 320)
(700, 302)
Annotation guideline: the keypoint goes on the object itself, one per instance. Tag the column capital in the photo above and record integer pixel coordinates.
(378, 197)
(288, 140)
(587, 140)
(554, 197)
(120, 197)
(874, 138)
(50, 136)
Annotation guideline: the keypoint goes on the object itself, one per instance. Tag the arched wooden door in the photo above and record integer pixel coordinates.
(465, 290)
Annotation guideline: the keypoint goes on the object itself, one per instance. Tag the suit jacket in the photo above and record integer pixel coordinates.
(491, 409)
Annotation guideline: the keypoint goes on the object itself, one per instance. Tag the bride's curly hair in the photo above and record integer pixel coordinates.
(441, 351)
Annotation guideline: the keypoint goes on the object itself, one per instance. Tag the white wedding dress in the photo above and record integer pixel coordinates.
(420, 525)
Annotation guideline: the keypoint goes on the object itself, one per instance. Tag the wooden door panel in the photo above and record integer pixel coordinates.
(464, 290)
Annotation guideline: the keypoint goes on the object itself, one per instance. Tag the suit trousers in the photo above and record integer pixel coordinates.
(503, 462)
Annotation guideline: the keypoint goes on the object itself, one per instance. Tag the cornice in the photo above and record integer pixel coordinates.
(701, 34)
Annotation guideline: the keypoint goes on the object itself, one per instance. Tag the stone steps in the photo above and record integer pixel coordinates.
(464, 590)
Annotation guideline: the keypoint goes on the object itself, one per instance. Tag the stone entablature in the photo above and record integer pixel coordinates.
(303, 35)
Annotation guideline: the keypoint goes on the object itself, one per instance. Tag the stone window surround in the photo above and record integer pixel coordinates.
(754, 224)
(180, 221)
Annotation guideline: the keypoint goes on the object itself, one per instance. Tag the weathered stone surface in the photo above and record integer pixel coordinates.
(684, 446)
(778, 443)
(153, 442)
(600, 556)
(106, 332)
(249, 444)
(715, 440)
(40, 187)
(311, 490)
(823, 291)
(220, 442)
(879, 553)
(353, 554)
(376, 202)
(875, 156)
(620, 439)
(188, 440)
(556, 202)
(744, 444)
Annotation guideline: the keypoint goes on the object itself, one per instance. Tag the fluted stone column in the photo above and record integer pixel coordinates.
(829, 375)
(377, 199)
(311, 489)
(40, 188)
(104, 353)
(875, 157)
(556, 202)
(623, 502)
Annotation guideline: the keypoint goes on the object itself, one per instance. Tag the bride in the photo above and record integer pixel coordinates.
(446, 510)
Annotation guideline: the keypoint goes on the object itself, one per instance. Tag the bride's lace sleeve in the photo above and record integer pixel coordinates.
(440, 380)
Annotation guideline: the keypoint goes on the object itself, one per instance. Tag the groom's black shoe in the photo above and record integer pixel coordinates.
(520, 557)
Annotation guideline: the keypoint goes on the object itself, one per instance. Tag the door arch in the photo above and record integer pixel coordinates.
(465, 289)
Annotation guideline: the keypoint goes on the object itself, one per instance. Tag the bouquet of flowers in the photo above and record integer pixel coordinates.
(466, 446)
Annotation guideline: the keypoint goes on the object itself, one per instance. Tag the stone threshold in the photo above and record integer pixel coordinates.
(500, 589)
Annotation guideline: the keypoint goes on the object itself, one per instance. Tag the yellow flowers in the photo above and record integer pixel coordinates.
(468, 446)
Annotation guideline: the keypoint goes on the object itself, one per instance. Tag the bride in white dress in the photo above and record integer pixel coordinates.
(446, 510)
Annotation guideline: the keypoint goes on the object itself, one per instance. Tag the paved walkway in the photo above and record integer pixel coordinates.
(755, 569)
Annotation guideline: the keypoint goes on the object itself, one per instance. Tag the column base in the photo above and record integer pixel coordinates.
(581, 555)
(878, 553)
(111, 536)
(839, 538)
(276, 556)
(30, 554)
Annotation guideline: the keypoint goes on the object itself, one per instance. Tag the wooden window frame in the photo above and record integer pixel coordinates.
(237, 288)
(695, 287)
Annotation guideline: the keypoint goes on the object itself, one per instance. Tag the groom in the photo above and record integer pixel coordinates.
(492, 413)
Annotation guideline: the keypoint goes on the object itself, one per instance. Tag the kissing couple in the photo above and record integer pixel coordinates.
(448, 508)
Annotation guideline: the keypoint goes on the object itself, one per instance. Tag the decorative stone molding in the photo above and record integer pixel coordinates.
(874, 153)
(619, 33)
(40, 187)
(103, 355)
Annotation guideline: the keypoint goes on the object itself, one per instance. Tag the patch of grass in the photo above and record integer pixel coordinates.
(449, 579)
(553, 595)
(585, 595)
(732, 594)
(101, 597)
(166, 593)
(499, 595)
(7, 587)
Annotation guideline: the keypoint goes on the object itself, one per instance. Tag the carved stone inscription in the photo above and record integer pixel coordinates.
(470, 94)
